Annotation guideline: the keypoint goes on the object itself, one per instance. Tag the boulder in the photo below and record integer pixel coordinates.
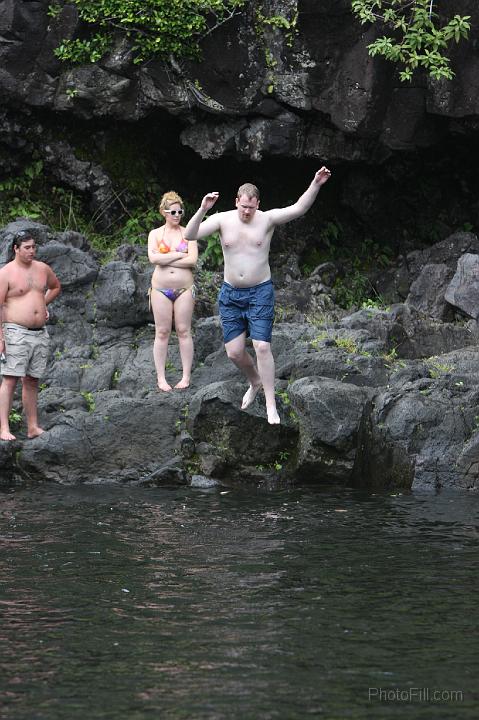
(329, 416)
(463, 290)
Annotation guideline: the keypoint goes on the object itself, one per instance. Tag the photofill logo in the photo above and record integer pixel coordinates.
(415, 695)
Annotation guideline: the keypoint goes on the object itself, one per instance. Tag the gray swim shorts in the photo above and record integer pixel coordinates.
(26, 350)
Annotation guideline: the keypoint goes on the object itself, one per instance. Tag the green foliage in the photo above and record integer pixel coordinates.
(277, 463)
(436, 368)
(352, 290)
(420, 36)
(90, 401)
(54, 11)
(284, 396)
(212, 255)
(78, 51)
(377, 303)
(287, 25)
(17, 196)
(327, 247)
(319, 339)
(30, 195)
(347, 344)
(391, 359)
(139, 226)
(353, 287)
(159, 28)
(287, 409)
(14, 419)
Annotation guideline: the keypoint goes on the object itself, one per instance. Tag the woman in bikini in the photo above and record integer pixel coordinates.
(172, 290)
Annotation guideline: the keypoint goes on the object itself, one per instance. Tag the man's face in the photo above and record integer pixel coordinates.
(26, 251)
(246, 207)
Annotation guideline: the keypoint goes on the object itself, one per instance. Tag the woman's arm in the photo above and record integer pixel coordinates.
(189, 259)
(158, 258)
(168, 258)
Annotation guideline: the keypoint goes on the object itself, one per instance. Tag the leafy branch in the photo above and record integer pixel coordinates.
(421, 37)
(157, 28)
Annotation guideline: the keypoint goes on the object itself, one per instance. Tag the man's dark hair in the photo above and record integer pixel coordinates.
(20, 237)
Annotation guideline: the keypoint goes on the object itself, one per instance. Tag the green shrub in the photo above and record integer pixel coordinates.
(212, 254)
(162, 28)
(419, 37)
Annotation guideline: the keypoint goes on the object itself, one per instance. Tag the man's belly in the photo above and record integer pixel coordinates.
(29, 310)
(248, 279)
(247, 272)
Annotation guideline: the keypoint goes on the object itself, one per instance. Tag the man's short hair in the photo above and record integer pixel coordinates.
(248, 189)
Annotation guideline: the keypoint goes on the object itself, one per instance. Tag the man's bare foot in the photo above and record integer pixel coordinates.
(35, 432)
(182, 384)
(273, 417)
(249, 396)
(7, 435)
(163, 386)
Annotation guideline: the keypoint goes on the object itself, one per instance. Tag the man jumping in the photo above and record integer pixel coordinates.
(246, 299)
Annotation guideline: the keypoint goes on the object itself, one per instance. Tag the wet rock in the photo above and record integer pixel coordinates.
(201, 481)
(329, 416)
(377, 398)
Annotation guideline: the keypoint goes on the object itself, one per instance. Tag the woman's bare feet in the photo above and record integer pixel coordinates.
(7, 435)
(164, 386)
(249, 396)
(183, 384)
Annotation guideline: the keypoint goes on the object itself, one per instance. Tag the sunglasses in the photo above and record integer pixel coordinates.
(175, 212)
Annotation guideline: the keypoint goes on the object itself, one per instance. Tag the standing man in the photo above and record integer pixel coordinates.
(246, 299)
(27, 286)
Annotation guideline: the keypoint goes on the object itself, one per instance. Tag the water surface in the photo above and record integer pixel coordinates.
(181, 603)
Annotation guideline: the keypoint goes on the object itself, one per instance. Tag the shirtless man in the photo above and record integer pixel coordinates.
(26, 288)
(246, 298)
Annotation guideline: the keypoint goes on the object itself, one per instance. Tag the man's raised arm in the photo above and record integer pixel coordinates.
(196, 228)
(279, 216)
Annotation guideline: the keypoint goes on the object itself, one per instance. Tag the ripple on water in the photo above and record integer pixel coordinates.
(178, 603)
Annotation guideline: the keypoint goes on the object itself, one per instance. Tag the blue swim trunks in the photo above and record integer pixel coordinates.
(249, 310)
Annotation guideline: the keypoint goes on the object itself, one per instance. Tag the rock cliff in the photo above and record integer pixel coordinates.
(289, 101)
(385, 398)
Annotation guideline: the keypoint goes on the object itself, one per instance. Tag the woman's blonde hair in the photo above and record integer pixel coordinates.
(168, 199)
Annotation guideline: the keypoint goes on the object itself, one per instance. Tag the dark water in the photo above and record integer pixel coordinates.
(181, 603)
